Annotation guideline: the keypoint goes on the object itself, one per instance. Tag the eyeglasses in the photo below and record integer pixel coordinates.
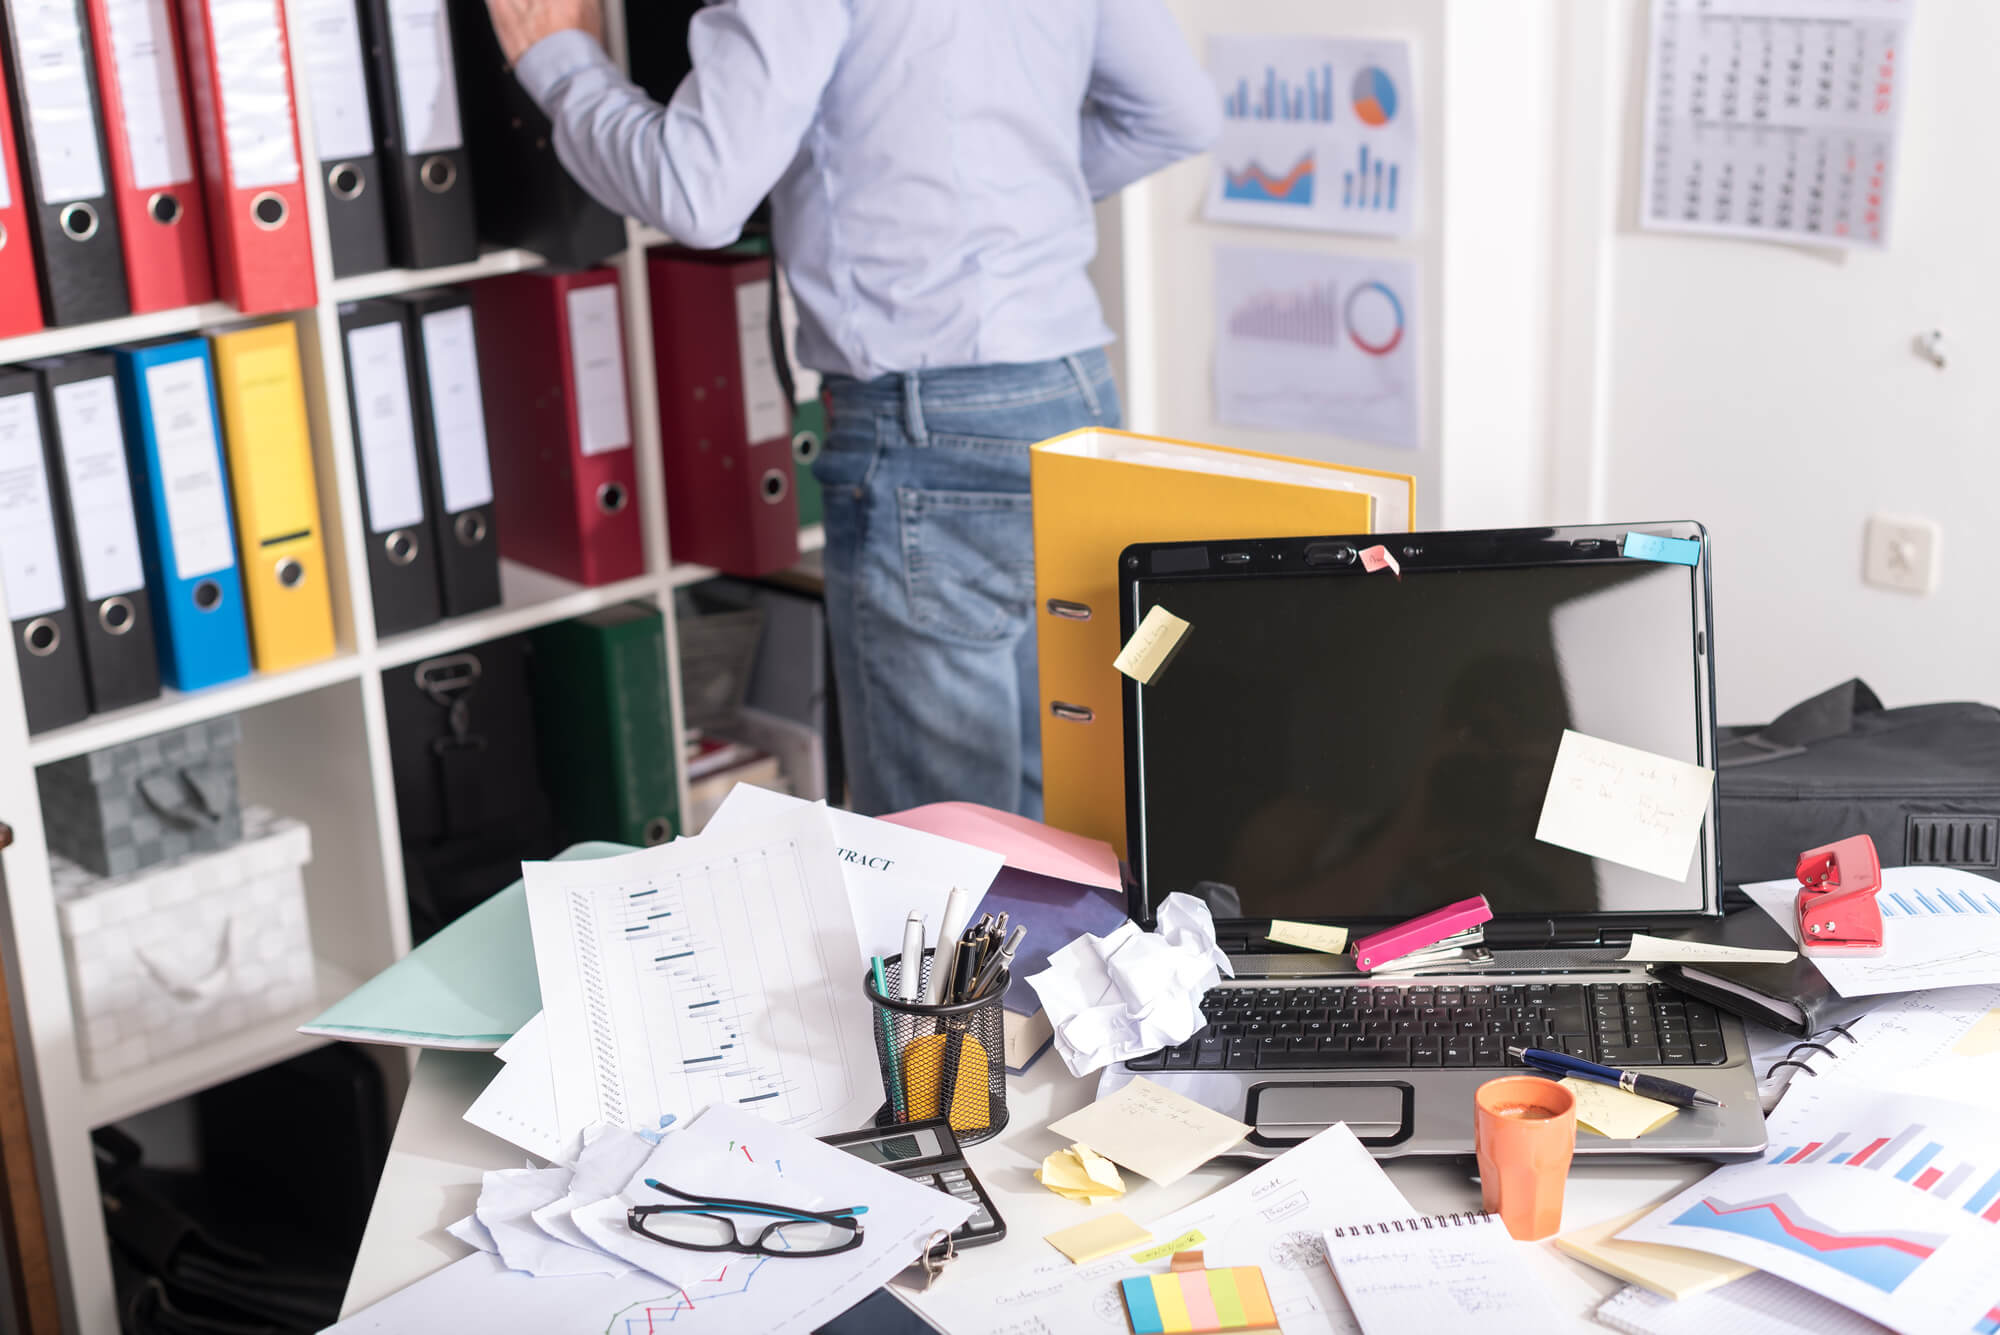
(703, 1225)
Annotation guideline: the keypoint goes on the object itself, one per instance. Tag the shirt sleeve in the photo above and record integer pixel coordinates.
(696, 167)
(1149, 104)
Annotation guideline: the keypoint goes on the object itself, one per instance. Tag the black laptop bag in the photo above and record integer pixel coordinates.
(1923, 782)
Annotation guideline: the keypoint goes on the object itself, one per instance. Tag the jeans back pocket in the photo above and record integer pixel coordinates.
(968, 562)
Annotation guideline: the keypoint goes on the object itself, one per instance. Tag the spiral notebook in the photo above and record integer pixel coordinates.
(1439, 1272)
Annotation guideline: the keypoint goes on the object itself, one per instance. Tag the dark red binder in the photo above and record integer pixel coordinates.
(725, 420)
(240, 84)
(558, 423)
(20, 294)
(162, 218)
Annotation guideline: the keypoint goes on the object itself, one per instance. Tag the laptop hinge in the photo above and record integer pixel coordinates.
(1551, 935)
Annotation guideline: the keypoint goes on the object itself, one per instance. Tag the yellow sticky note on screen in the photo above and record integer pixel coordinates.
(1310, 936)
(1097, 1237)
(1612, 1112)
(1152, 646)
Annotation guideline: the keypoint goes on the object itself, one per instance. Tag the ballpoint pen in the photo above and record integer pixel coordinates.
(997, 965)
(957, 913)
(909, 981)
(962, 967)
(1559, 1064)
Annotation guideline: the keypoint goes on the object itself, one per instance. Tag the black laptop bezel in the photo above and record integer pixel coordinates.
(1335, 556)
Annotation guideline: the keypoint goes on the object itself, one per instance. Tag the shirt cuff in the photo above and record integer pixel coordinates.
(544, 66)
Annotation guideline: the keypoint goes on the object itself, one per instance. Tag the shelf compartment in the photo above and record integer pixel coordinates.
(811, 539)
(388, 282)
(115, 333)
(528, 598)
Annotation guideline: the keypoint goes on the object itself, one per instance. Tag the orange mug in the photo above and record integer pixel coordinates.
(1524, 1130)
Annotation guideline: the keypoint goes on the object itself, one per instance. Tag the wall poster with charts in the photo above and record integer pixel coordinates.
(1318, 133)
(1319, 343)
(1775, 119)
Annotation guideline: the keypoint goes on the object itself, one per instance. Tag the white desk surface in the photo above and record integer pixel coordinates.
(435, 1163)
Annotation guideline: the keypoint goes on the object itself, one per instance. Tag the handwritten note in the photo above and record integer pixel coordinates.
(1153, 1131)
(1625, 805)
(1152, 646)
(1615, 1114)
(1308, 936)
(1664, 950)
(1446, 1273)
(1096, 1237)
(1191, 1238)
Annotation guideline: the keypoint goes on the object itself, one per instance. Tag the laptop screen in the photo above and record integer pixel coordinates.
(1350, 747)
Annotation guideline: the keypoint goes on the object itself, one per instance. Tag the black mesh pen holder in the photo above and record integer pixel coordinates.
(940, 1061)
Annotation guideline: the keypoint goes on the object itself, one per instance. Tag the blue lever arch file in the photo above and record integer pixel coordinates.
(182, 491)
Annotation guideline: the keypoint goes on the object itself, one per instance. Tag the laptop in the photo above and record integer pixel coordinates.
(1333, 746)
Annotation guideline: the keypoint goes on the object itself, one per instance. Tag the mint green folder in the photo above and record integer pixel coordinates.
(470, 987)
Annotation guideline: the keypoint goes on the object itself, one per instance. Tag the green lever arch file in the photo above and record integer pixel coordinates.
(606, 726)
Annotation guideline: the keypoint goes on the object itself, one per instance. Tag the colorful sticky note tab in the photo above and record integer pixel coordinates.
(1199, 1302)
(1308, 936)
(1650, 547)
(1152, 646)
(1379, 558)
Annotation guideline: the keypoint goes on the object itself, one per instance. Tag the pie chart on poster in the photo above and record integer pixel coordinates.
(1374, 318)
(1374, 96)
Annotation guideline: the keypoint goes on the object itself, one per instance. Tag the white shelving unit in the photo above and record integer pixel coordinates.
(315, 742)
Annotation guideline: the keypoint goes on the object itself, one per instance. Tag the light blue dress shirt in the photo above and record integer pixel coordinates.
(931, 162)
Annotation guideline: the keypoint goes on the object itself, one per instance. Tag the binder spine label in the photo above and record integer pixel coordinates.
(458, 416)
(336, 80)
(597, 366)
(385, 427)
(61, 120)
(766, 415)
(149, 93)
(30, 562)
(256, 97)
(100, 488)
(6, 186)
(426, 81)
(190, 467)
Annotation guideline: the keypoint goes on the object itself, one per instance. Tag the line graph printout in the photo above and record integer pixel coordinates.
(710, 972)
(1941, 927)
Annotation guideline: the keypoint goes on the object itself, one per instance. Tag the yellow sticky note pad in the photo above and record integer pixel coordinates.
(1671, 1272)
(1151, 646)
(1309, 936)
(1097, 1237)
(1982, 1040)
(1081, 1174)
(1613, 1113)
(1191, 1238)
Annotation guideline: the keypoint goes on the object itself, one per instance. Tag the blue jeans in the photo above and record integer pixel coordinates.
(930, 574)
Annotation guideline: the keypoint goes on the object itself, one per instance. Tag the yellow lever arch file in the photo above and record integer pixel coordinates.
(258, 383)
(1095, 493)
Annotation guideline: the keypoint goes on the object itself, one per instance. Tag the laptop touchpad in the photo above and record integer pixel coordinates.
(1376, 1111)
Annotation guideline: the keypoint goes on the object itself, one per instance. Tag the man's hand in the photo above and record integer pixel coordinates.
(522, 23)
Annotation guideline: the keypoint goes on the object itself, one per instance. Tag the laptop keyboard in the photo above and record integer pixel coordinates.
(1435, 1025)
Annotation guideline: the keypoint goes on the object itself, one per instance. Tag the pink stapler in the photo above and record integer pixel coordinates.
(1439, 932)
(1837, 910)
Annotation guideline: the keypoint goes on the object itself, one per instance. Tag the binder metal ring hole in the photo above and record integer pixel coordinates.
(805, 446)
(611, 497)
(79, 221)
(116, 615)
(1071, 713)
(208, 595)
(268, 211)
(163, 208)
(42, 637)
(291, 573)
(776, 485)
(346, 181)
(658, 830)
(3, 236)
(1069, 611)
(470, 528)
(401, 546)
(438, 174)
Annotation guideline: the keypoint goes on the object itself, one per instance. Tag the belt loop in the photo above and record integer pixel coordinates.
(1090, 398)
(913, 410)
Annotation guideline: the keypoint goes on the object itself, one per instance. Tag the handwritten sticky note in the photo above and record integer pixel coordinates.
(1080, 1174)
(1191, 1238)
(1097, 1237)
(1671, 551)
(1309, 936)
(1152, 646)
(1664, 950)
(1671, 1272)
(1378, 558)
(1153, 1131)
(1613, 1113)
(1625, 805)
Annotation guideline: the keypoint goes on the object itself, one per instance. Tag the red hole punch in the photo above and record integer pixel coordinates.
(1837, 910)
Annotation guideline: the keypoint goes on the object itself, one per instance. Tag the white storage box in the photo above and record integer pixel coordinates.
(178, 954)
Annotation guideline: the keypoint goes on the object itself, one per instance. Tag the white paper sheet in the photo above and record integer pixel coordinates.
(1665, 950)
(426, 81)
(713, 971)
(1940, 927)
(1775, 119)
(766, 415)
(188, 444)
(386, 426)
(1942, 1044)
(603, 1167)
(597, 367)
(336, 79)
(100, 487)
(458, 413)
(1319, 343)
(256, 93)
(519, 1104)
(30, 562)
(1318, 133)
(149, 87)
(887, 869)
(1466, 1272)
(1757, 1304)
(61, 118)
(507, 1199)
(473, 1234)
(1627, 806)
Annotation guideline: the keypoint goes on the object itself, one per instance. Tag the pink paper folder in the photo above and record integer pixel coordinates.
(1026, 844)
(1393, 943)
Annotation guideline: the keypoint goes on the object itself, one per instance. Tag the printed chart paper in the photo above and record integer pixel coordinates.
(1319, 343)
(1940, 927)
(1775, 119)
(1318, 133)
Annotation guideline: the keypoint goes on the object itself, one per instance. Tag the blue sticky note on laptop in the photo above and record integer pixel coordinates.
(1649, 547)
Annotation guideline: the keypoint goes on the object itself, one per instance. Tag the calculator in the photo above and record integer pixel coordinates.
(927, 1153)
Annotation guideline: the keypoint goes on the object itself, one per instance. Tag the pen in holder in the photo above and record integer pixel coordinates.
(945, 1061)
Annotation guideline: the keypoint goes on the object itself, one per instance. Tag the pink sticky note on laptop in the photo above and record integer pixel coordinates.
(1027, 844)
(1379, 558)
